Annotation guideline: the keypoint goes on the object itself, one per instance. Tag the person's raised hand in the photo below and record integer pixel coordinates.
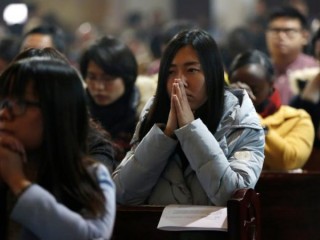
(241, 85)
(12, 158)
(172, 118)
(183, 110)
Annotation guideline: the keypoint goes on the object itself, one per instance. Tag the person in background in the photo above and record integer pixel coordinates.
(286, 36)
(289, 131)
(309, 99)
(196, 142)
(55, 190)
(238, 40)
(110, 70)
(44, 36)
(315, 44)
(9, 48)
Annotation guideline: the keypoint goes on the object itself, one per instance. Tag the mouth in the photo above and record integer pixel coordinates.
(101, 98)
(281, 45)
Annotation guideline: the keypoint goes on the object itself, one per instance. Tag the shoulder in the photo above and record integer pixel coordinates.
(285, 114)
(306, 61)
(100, 173)
(146, 109)
(289, 111)
(239, 108)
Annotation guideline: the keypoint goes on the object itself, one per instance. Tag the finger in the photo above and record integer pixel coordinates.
(177, 104)
(251, 95)
(8, 142)
(177, 90)
(14, 145)
(173, 89)
(181, 92)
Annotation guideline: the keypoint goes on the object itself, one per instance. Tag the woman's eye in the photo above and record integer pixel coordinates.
(193, 70)
(91, 77)
(171, 72)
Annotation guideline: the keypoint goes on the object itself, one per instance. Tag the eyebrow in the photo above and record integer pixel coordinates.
(187, 64)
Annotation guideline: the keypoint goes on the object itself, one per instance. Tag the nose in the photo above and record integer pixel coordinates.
(99, 84)
(183, 78)
(282, 34)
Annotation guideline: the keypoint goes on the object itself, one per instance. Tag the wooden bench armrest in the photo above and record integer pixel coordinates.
(243, 220)
(244, 215)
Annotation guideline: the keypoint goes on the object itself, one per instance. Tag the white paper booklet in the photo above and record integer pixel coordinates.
(193, 217)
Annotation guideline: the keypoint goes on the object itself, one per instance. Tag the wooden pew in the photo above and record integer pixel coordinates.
(140, 222)
(290, 205)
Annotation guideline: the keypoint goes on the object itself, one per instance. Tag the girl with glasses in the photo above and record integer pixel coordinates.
(52, 188)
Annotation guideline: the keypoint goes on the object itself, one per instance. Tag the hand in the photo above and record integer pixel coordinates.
(241, 85)
(12, 157)
(172, 119)
(182, 107)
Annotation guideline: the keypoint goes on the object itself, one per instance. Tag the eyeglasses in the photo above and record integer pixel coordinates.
(289, 32)
(17, 107)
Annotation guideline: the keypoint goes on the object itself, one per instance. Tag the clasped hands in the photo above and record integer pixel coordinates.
(180, 111)
(12, 158)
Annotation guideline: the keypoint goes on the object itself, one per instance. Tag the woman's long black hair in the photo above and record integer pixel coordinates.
(62, 164)
(211, 63)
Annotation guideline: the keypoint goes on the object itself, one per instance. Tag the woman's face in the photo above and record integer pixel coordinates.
(103, 88)
(27, 125)
(254, 76)
(186, 66)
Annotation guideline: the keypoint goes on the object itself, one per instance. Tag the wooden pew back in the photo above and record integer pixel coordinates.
(290, 205)
(140, 222)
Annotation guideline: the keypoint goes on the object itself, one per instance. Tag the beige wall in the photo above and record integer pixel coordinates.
(108, 14)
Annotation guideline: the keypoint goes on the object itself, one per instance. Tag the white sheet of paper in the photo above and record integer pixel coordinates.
(193, 217)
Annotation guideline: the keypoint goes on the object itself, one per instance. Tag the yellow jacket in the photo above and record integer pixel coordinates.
(289, 139)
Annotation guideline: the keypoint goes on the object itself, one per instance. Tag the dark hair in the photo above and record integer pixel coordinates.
(114, 58)
(43, 52)
(288, 12)
(56, 33)
(63, 153)
(211, 63)
(253, 57)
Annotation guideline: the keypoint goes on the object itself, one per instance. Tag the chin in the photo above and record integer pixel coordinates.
(102, 103)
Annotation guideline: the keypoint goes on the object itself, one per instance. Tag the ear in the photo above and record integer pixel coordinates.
(271, 87)
(305, 37)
